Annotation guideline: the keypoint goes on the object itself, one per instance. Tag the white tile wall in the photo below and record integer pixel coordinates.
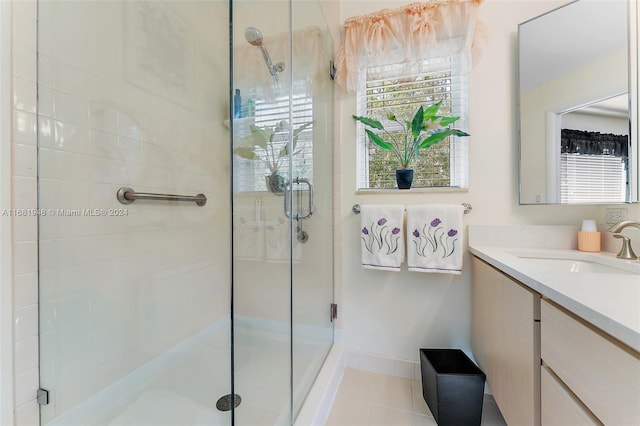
(24, 128)
(24, 186)
(25, 289)
(24, 63)
(24, 94)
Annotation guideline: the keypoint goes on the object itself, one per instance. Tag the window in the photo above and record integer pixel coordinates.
(592, 178)
(403, 88)
(594, 164)
(249, 175)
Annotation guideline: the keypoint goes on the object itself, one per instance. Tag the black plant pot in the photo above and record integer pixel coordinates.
(404, 178)
(275, 183)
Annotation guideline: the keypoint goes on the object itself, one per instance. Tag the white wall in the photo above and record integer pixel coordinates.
(395, 314)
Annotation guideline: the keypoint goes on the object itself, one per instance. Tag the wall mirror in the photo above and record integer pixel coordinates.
(576, 96)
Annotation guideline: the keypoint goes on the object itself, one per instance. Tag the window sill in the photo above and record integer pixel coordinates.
(418, 190)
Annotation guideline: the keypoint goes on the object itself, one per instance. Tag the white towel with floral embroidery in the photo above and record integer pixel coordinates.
(382, 236)
(434, 238)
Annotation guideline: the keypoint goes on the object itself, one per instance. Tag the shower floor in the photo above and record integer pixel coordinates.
(181, 386)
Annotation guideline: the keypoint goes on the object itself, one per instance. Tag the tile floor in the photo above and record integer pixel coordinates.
(371, 399)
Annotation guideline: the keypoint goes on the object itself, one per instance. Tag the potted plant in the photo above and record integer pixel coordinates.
(270, 146)
(426, 129)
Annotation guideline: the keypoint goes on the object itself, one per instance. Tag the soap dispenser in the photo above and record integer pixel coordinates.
(589, 237)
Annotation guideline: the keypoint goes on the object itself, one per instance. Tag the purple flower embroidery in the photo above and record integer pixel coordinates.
(434, 240)
(380, 238)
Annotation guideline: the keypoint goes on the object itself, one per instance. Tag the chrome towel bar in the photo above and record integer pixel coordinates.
(127, 196)
(467, 208)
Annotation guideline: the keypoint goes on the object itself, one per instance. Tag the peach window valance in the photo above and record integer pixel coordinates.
(411, 33)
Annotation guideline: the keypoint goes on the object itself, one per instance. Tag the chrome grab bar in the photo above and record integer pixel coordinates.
(127, 196)
(298, 217)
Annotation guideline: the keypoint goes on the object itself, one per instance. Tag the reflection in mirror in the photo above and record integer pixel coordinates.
(575, 137)
(593, 156)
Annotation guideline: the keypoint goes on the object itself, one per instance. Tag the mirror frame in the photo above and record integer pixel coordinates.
(634, 90)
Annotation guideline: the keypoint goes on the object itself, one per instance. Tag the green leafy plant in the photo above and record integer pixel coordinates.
(270, 144)
(426, 129)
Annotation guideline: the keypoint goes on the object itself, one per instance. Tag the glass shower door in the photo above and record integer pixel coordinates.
(262, 247)
(312, 269)
(134, 298)
(282, 206)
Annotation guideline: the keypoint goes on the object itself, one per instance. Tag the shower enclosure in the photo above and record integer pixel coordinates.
(185, 257)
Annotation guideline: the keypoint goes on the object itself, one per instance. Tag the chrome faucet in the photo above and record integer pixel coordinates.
(626, 252)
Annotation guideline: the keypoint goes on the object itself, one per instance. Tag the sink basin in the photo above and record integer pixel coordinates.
(578, 262)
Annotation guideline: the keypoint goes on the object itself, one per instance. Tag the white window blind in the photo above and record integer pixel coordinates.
(438, 79)
(249, 175)
(592, 179)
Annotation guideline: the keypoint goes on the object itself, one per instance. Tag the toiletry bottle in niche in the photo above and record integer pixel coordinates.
(237, 104)
(250, 108)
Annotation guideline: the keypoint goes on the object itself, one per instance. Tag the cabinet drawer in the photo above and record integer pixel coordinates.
(601, 372)
(559, 408)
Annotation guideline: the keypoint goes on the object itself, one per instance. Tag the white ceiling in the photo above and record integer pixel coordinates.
(570, 37)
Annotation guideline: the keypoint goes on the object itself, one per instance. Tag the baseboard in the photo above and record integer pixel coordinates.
(375, 363)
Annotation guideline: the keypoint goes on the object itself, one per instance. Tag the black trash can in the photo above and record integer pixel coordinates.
(452, 386)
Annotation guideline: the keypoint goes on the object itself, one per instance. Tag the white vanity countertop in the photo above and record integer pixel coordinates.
(609, 301)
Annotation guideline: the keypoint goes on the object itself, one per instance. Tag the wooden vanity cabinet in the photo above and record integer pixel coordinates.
(505, 341)
(546, 365)
(601, 374)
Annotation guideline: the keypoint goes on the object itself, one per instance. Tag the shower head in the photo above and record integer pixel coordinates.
(254, 37)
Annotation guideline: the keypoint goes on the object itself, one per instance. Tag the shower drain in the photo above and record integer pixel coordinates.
(225, 403)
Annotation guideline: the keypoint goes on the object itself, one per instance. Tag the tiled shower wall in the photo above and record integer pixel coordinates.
(115, 290)
(24, 195)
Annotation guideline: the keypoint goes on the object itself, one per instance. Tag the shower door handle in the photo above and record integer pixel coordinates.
(287, 198)
(307, 182)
